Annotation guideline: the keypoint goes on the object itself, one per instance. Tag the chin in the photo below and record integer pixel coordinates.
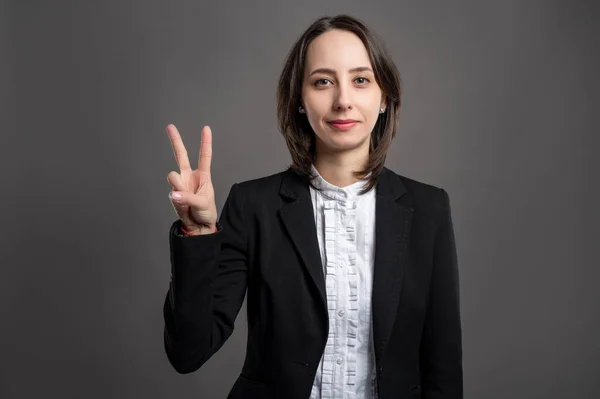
(344, 144)
(343, 141)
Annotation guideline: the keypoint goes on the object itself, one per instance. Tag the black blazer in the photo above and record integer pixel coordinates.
(267, 245)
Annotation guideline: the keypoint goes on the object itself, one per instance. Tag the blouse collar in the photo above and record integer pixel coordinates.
(350, 192)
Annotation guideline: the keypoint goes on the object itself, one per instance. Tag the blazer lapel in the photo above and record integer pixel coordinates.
(299, 220)
(392, 227)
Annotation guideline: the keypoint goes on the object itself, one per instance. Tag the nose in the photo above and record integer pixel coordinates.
(342, 99)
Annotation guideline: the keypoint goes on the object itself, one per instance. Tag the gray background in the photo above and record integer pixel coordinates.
(500, 108)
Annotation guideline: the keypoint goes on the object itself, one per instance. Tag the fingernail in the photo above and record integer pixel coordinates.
(176, 196)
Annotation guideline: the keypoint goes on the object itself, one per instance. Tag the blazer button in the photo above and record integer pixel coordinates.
(380, 372)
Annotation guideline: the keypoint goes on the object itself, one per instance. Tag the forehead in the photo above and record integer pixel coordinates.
(336, 49)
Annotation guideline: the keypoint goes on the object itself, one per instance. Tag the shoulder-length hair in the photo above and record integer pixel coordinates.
(299, 135)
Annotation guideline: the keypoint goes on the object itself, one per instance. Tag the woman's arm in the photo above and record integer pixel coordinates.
(208, 285)
(441, 345)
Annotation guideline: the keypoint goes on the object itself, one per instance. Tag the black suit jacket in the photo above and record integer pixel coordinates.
(267, 245)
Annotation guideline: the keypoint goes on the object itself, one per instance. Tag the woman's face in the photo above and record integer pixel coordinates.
(339, 93)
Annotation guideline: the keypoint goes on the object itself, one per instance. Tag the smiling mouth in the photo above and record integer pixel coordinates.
(343, 125)
(341, 121)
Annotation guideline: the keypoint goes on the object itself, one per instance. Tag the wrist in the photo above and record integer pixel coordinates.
(198, 231)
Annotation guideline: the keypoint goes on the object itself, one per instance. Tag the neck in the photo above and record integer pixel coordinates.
(337, 169)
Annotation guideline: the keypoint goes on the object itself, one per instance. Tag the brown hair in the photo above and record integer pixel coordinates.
(299, 135)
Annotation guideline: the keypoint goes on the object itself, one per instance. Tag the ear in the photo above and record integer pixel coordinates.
(383, 103)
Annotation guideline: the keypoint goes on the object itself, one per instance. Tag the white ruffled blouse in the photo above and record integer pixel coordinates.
(345, 223)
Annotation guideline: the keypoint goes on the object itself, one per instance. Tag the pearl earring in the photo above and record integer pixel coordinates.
(382, 110)
(301, 110)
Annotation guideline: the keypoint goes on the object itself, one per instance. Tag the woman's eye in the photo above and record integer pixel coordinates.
(321, 82)
(362, 80)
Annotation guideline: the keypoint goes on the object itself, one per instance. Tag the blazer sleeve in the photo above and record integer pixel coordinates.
(441, 344)
(207, 287)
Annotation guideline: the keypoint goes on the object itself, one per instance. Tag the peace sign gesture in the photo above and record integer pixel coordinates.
(193, 195)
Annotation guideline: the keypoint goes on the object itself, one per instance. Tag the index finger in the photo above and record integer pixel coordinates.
(179, 150)
(205, 150)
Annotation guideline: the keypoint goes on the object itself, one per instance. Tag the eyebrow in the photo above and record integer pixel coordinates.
(332, 72)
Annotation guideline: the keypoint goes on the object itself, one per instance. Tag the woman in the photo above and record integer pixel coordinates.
(350, 268)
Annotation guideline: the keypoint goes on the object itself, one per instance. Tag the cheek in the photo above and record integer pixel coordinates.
(318, 104)
(374, 101)
(316, 112)
(312, 115)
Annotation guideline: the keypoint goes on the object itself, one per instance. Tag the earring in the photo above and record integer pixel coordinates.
(301, 110)
(382, 110)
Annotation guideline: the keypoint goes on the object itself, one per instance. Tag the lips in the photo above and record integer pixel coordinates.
(343, 124)
(342, 121)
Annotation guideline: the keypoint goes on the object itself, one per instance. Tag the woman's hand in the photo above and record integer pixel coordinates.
(193, 196)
